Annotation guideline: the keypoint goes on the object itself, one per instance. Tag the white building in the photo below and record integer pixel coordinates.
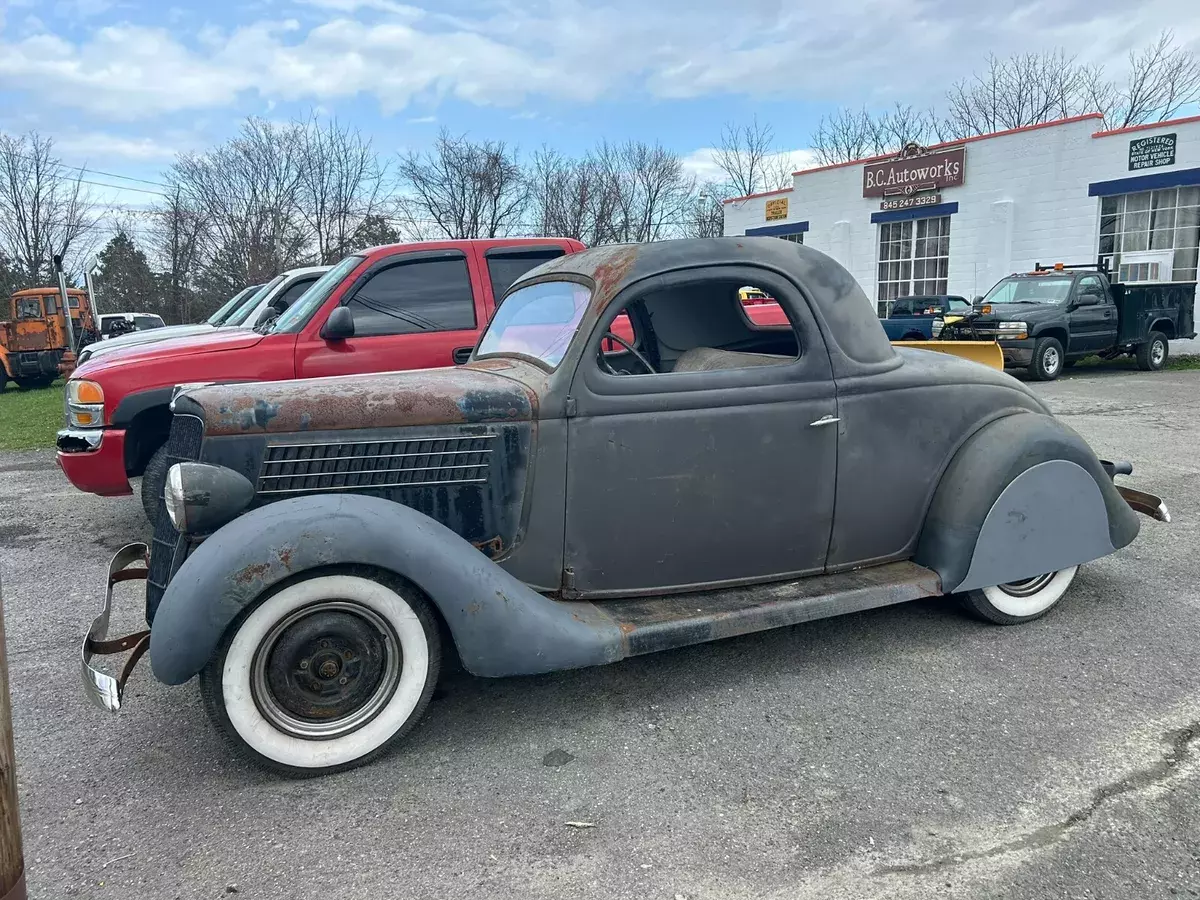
(956, 217)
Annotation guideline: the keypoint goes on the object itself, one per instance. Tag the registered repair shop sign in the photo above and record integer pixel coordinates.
(777, 209)
(1152, 152)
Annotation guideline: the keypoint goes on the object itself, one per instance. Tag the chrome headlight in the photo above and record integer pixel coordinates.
(936, 328)
(85, 404)
(1017, 331)
(200, 498)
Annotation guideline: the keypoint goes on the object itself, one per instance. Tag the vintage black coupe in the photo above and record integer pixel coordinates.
(571, 497)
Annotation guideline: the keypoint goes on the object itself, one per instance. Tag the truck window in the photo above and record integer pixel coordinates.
(411, 297)
(29, 308)
(506, 266)
(293, 292)
(538, 321)
(144, 323)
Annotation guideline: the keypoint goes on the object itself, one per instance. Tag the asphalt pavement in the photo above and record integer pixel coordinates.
(908, 752)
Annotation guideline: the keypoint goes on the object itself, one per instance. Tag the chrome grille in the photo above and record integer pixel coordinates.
(183, 445)
(301, 468)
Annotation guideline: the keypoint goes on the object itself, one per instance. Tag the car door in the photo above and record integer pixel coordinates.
(696, 478)
(1093, 317)
(411, 311)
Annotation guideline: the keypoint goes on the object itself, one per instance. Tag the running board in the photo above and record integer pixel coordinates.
(662, 623)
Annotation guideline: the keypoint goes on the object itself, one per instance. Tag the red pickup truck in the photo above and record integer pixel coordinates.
(406, 306)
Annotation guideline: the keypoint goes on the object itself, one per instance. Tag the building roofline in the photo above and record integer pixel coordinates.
(759, 194)
(1167, 124)
(955, 143)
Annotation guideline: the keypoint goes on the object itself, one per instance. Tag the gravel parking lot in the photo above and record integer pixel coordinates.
(906, 752)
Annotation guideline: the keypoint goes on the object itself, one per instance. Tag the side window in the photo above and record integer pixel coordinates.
(1089, 284)
(51, 303)
(293, 292)
(412, 297)
(29, 308)
(696, 327)
(506, 266)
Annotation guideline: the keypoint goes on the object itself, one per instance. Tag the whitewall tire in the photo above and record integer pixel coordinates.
(1021, 601)
(324, 674)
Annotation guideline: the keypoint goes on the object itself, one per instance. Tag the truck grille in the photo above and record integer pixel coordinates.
(167, 549)
(301, 468)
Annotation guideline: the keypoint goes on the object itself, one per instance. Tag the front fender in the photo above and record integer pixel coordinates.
(1025, 495)
(500, 626)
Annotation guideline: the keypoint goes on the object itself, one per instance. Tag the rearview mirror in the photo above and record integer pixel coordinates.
(339, 325)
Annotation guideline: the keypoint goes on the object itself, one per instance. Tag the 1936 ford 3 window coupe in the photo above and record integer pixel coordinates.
(571, 497)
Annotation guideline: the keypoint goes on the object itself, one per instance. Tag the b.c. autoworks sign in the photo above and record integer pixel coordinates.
(908, 175)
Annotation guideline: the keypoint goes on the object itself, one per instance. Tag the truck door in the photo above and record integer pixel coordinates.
(1093, 316)
(411, 311)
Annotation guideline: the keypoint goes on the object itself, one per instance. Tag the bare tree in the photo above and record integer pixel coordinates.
(1163, 78)
(706, 215)
(341, 186)
(463, 188)
(843, 136)
(1026, 89)
(748, 157)
(248, 192)
(178, 238)
(573, 198)
(44, 211)
(650, 191)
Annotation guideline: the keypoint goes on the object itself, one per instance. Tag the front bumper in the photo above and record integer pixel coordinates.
(93, 459)
(101, 688)
(1017, 353)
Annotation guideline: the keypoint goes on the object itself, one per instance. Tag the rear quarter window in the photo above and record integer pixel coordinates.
(506, 266)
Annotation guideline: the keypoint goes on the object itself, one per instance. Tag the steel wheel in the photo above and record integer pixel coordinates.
(1023, 600)
(324, 674)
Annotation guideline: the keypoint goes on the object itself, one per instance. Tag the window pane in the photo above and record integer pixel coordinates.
(919, 269)
(943, 270)
(1189, 196)
(433, 295)
(1138, 240)
(1185, 260)
(906, 232)
(1108, 224)
(922, 228)
(1110, 206)
(537, 321)
(505, 268)
(944, 246)
(1164, 199)
(905, 270)
(1188, 215)
(1137, 221)
(1137, 202)
(1106, 243)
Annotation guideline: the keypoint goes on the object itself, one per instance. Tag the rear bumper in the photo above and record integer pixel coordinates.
(94, 460)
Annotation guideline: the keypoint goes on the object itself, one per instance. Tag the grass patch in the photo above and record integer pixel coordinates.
(1174, 363)
(29, 419)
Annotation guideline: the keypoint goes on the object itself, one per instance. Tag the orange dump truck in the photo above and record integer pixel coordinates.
(34, 347)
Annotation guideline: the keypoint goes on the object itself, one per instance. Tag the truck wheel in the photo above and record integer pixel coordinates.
(1152, 355)
(325, 674)
(1047, 362)
(1020, 601)
(154, 479)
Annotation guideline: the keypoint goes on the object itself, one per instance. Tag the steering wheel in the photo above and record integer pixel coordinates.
(650, 370)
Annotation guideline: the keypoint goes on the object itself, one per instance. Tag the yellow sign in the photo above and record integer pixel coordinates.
(777, 209)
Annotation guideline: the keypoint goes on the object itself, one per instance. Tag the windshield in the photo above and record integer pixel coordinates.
(1030, 290)
(251, 303)
(142, 323)
(297, 315)
(538, 321)
(230, 305)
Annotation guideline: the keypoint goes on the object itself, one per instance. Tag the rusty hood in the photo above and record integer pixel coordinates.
(389, 400)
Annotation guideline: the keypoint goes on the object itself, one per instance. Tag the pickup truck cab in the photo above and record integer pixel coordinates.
(1049, 318)
(400, 306)
(919, 318)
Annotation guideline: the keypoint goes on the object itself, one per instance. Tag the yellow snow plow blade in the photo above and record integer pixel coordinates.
(986, 352)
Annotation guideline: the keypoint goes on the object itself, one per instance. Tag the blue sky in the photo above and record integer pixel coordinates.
(122, 85)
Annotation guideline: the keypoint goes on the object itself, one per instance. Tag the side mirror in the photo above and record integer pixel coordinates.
(1087, 300)
(339, 325)
(978, 299)
(268, 313)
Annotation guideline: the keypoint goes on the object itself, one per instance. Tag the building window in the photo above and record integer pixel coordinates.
(1165, 220)
(795, 238)
(914, 259)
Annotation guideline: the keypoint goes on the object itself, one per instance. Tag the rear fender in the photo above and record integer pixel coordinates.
(500, 626)
(1025, 495)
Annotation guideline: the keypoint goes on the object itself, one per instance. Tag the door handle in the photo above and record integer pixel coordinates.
(824, 420)
(461, 355)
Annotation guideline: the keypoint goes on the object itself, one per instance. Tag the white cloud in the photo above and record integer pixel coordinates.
(702, 163)
(98, 145)
(423, 120)
(503, 53)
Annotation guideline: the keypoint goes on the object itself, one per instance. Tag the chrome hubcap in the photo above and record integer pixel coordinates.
(1028, 587)
(1158, 352)
(326, 670)
(1050, 359)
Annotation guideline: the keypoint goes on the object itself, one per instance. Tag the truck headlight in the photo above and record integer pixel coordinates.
(200, 498)
(1013, 331)
(936, 328)
(85, 404)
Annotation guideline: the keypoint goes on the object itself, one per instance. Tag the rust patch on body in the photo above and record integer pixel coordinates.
(251, 573)
(610, 271)
(491, 547)
(423, 397)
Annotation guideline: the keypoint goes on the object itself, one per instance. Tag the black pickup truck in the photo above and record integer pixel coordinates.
(1047, 319)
